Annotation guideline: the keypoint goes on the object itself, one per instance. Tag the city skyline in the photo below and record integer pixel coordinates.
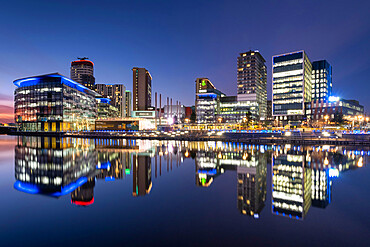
(31, 46)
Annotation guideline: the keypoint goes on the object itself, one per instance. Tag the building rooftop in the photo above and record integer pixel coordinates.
(34, 80)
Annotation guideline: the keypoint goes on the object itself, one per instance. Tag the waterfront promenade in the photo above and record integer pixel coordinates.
(355, 138)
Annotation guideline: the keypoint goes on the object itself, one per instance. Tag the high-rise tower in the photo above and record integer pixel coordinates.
(291, 86)
(252, 80)
(142, 89)
(82, 71)
(321, 80)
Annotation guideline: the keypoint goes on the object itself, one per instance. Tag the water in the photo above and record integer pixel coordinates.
(138, 193)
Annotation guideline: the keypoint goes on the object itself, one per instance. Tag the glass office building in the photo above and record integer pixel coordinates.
(291, 86)
(105, 109)
(53, 103)
(207, 100)
(319, 109)
(233, 111)
(321, 80)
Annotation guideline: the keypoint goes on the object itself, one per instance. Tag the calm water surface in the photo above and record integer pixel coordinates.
(79, 192)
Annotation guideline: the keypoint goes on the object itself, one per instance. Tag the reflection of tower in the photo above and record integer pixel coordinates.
(252, 187)
(321, 188)
(84, 195)
(291, 186)
(142, 175)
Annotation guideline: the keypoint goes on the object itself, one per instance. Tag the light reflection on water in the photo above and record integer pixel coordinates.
(301, 176)
(280, 181)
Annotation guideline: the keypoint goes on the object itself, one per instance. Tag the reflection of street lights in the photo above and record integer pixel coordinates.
(360, 119)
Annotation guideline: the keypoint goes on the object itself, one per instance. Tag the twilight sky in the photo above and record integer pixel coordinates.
(178, 41)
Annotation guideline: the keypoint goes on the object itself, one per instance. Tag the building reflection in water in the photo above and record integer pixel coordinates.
(252, 184)
(53, 166)
(250, 164)
(301, 176)
(291, 184)
(84, 195)
(142, 175)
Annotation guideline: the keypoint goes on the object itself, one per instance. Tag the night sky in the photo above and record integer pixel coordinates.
(178, 41)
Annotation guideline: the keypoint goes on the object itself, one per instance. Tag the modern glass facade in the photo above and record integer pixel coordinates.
(105, 109)
(117, 94)
(53, 103)
(207, 101)
(252, 80)
(207, 106)
(233, 111)
(291, 85)
(318, 109)
(321, 80)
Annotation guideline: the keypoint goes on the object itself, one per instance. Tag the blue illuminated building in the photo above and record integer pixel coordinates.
(207, 100)
(53, 103)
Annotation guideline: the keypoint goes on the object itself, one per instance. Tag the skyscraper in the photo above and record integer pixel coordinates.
(291, 86)
(142, 89)
(116, 93)
(321, 80)
(252, 80)
(82, 71)
(128, 104)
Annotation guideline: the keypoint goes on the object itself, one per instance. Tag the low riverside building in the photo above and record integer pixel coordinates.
(53, 103)
(233, 111)
(327, 109)
(123, 124)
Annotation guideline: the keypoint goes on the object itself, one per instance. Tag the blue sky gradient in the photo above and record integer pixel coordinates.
(178, 41)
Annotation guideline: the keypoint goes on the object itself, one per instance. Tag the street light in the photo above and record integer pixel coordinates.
(326, 118)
